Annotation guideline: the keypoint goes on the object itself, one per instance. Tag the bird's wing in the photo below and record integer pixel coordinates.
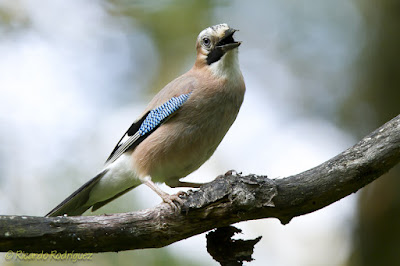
(142, 128)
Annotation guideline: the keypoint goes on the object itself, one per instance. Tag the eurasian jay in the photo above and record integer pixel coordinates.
(179, 130)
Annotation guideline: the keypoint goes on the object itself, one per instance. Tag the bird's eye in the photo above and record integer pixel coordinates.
(206, 42)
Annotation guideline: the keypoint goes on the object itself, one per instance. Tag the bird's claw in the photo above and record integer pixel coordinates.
(174, 201)
(181, 193)
(232, 172)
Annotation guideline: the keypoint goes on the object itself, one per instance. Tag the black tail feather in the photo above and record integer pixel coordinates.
(75, 204)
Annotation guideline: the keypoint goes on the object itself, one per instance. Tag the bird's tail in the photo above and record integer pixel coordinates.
(75, 204)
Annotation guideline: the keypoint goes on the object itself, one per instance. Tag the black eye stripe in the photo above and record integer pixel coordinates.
(214, 56)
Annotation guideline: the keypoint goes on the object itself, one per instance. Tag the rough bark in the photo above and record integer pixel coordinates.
(228, 199)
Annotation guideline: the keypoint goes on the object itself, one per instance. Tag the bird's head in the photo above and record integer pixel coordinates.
(214, 44)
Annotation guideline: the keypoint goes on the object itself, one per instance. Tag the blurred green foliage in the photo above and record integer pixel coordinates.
(374, 101)
(173, 26)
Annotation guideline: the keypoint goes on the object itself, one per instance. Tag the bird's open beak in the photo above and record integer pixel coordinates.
(227, 42)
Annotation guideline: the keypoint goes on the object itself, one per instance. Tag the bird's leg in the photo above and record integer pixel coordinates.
(173, 200)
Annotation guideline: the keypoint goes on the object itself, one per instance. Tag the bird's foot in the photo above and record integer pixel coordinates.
(174, 200)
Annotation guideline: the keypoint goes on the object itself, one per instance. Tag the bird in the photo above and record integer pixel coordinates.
(178, 131)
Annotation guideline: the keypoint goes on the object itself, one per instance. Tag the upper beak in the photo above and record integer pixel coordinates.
(227, 42)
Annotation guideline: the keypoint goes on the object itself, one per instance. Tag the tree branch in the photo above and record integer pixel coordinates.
(228, 199)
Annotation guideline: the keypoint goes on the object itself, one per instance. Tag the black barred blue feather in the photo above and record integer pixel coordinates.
(139, 130)
(159, 114)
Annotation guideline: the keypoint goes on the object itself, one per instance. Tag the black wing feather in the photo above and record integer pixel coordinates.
(141, 129)
(132, 130)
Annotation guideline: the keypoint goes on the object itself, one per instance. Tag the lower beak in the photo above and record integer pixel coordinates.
(230, 46)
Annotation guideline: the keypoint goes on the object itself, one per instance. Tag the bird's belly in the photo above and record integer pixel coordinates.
(176, 151)
(184, 157)
(181, 161)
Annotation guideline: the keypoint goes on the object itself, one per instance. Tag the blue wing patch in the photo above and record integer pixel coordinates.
(147, 124)
(159, 114)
